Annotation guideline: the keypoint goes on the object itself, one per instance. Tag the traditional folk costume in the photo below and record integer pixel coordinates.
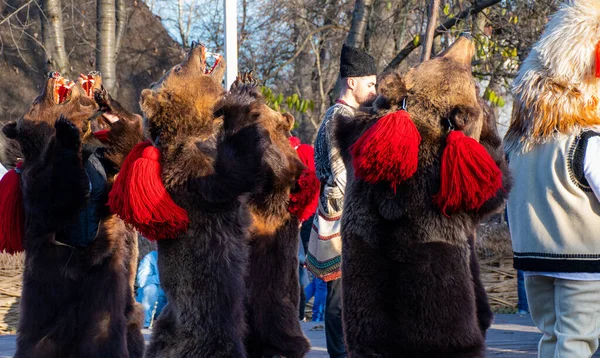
(325, 245)
(554, 210)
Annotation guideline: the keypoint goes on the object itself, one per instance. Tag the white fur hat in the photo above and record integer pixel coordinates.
(567, 47)
(557, 89)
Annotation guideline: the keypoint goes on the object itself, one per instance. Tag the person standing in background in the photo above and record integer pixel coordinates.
(149, 293)
(358, 77)
(554, 207)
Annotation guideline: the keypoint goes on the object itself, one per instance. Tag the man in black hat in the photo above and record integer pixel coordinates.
(358, 77)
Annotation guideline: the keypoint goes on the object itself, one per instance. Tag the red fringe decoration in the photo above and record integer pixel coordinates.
(598, 60)
(12, 212)
(304, 202)
(388, 151)
(102, 135)
(139, 197)
(295, 142)
(469, 175)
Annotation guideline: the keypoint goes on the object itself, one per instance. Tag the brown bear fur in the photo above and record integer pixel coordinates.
(208, 164)
(124, 134)
(411, 284)
(10, 153)
(76, 301)
(273, 287)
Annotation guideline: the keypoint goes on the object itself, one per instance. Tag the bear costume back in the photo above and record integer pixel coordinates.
(208, 163)
(77, 298)
(273, 289)
(411, 284)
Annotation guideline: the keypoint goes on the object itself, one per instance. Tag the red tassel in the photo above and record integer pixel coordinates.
(598, 60)
(295, 142)
(102, 135)
(388, 151)
(12, 212)
(304, 202)
(469, 175)
(139, 197)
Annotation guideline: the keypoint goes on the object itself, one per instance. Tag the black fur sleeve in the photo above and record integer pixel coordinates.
(56, 188)
(237, 166)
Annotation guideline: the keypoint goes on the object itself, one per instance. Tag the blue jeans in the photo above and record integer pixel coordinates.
(317, 288)
(148, 296)
(522, 302)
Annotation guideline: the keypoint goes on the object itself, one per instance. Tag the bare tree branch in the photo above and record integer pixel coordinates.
(433, 17)
(301, 47)
(19, 49)
(402, 55)
(16, 11)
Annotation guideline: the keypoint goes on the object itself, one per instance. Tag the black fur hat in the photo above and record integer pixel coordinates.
(356, 63)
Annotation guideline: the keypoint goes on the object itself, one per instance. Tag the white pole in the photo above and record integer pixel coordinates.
(231, 50)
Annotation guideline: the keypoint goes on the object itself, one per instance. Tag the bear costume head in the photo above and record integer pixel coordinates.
(59, 96)
(185, 98)
(438, 104)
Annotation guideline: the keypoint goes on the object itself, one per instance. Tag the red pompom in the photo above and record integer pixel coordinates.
(295, 142)
(388, 151)
(102, 135)
(598, 60)
(139, 197)
(304, 202)
(469, 175)
(12, 212)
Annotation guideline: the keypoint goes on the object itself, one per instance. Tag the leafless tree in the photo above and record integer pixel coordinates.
(293, 45)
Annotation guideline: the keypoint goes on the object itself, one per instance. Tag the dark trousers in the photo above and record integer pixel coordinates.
(302, 305)
(522, 294)
(334, 333)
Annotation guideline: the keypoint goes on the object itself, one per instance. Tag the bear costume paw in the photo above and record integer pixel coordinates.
(67, 134)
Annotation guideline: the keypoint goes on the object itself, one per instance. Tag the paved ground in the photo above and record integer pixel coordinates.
(512, 336)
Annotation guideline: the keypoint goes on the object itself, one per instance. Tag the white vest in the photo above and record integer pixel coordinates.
(554, 217)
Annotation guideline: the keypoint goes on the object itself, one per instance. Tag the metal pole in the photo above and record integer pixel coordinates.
(231, 55)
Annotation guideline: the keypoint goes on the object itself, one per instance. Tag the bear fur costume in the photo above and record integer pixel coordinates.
(208, 164)
(410, 284)
(273, 287)
(10, 153)
(77, 301)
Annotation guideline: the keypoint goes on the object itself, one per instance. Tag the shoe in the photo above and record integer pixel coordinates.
(318, 327)
(522, 312)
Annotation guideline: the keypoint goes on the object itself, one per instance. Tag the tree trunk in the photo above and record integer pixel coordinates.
(181, 25)
(53, 34)
(403, 28)
(121, 25)
(360, 19)
(48, 47)
(434, 9)
(106, 43)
